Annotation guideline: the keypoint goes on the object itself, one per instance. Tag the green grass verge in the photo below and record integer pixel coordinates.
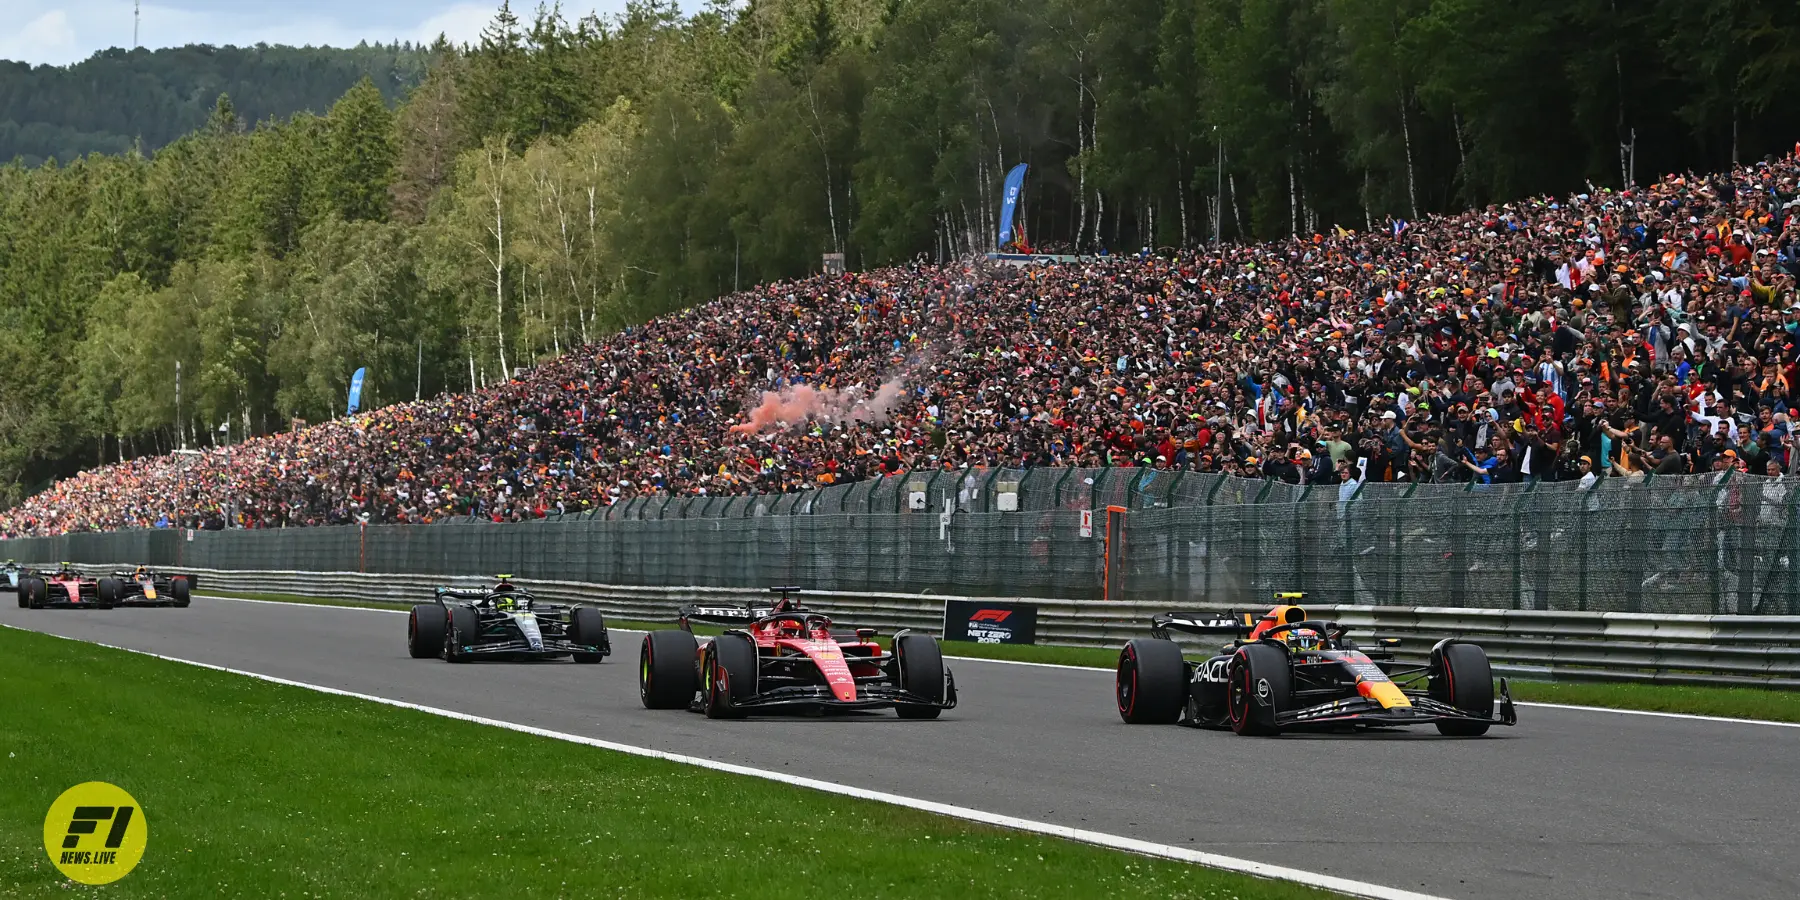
(1731, 702)
(254, 789)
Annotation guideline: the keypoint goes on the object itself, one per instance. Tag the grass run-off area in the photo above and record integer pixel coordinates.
(254, 789)
(1731, 702)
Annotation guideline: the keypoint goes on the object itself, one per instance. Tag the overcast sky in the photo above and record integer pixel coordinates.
(66, 31)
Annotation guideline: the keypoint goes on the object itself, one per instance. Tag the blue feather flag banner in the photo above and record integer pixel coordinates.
(356, 382)
(1015, 184)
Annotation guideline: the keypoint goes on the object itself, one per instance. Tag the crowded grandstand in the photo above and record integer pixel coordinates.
(1610, 333)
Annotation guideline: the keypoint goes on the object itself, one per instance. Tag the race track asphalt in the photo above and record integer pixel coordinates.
(1569, 804)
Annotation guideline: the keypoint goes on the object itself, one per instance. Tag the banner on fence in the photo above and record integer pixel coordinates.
(990, 623)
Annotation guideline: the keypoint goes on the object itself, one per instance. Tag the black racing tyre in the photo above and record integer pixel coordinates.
(20, 592)
(462, 623)
(667, 677)
(1460, 676)
(1259, 684)
(587, 626)
(727, 675)
(181, 590)
(35, 591)
(921, 664)
(425, 631)
(1150, 683)
(108, 590)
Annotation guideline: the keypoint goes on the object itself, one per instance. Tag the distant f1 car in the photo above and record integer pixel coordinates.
(10, 573)
(144, 586)
(782, 656)
(65, 588)
(504, 622)
(1286, 672)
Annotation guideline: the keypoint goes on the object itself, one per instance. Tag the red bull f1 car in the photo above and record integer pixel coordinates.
(144, 586)
(504, 622)
(1286, 672)
(783, 657)
(64, 588)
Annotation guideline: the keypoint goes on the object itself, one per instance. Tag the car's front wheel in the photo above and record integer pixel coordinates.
(425, 631)
(1150, 684)
(666, 672)
(1460, 676)
(461, 631)
(588, 626)
(181, 591)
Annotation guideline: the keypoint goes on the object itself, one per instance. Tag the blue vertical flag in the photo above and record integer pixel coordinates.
(1015, 183)
(356, 391)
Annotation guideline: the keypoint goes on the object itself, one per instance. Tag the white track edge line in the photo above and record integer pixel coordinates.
(1080, 835)
(1020, 662)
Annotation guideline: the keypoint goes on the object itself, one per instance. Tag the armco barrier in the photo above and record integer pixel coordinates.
(1562, 646)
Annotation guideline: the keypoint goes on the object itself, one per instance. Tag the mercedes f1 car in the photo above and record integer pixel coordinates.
(504, 622)
(65, 588)
(781, 656)
(1285, 672)
(10, 575)
(144, 586)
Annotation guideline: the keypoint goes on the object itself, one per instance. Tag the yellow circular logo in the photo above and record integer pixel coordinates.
(95, 833)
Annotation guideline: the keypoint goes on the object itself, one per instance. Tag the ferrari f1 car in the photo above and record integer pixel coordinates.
(144, 586)
(781, 656)
(1285, 672)
(65, 588)
(504, 622)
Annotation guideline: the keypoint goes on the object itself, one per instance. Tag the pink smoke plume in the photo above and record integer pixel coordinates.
(803, 402)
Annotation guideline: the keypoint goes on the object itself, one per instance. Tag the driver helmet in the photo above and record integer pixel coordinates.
(1305, 639)
(140, 571)
(503, 600)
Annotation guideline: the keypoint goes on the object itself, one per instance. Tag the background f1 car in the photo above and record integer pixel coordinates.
(1285, 672)
(144, 586)
(10, 573)
(504, 622)
(785, 657)
(65, 588)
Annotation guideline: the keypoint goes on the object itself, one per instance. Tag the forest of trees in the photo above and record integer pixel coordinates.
(560, 180)
(120, 99)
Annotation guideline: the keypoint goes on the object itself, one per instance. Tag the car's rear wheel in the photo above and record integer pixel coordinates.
(19, 590)
(587, 626)
(425, 631)
(727, 675)
(1150, 684)
(921, 665)
(462, 630)
(666, 673)
(180, 590)
(1258, 687)
(1460, 676)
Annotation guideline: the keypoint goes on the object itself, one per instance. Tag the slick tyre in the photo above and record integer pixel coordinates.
(108, 590)
(727, 675)
(588, 626)
(35, 592)
(181, 591)
(425, 631)
(1150, 684)
(921, 665)
(461, 625)
(1259, 685)
(667, 676)
(19, 591)
(1461, 677)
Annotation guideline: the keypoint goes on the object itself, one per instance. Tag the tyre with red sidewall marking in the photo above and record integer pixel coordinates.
(1259, 684)
(1460, 676)
(727, 674)
(667, 676)
(1150, 684)
(425, 631)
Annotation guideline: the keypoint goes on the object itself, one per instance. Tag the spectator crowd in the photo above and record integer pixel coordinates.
(1611, 333)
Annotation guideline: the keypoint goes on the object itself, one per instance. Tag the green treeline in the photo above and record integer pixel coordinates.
(559, 181)
(119, 99)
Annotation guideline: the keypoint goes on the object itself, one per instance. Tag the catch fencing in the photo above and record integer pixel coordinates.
(1692, 545)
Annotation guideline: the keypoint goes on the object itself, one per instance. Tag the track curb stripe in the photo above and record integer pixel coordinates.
(1100, 839)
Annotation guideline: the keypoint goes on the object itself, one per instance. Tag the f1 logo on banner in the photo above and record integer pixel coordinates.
(990, 623)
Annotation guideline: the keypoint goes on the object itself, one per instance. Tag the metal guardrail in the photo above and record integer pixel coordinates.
(1558, 646)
